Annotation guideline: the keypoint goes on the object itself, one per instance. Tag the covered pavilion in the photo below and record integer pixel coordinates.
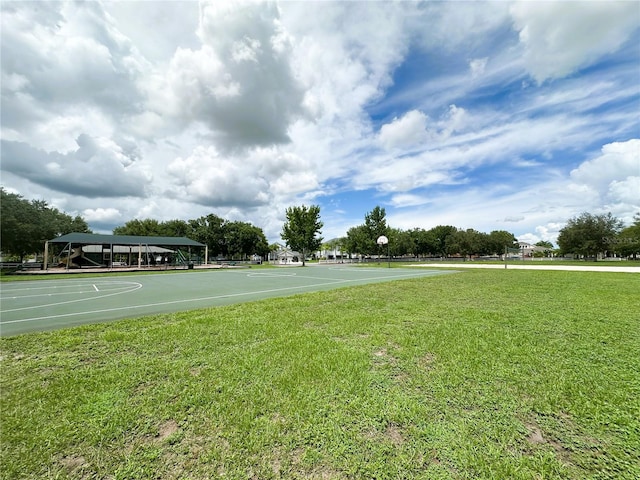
(108, 245)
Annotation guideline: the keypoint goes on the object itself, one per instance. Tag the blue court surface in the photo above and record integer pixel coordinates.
(51, 304)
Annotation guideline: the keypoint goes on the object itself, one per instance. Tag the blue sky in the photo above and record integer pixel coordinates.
(495, 116)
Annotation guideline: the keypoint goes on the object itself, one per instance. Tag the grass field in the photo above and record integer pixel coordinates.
(484, 374)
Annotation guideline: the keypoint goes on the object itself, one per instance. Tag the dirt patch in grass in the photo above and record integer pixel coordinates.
(537, 437)
(394, 435)
(75, 464)
(167, 429)
(427, 361)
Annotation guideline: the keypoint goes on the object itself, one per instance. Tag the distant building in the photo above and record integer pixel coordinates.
(285, 256)
(528, 250)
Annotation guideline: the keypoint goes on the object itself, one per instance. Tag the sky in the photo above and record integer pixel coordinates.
(501, 115)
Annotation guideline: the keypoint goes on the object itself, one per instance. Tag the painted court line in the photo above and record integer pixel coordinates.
(332, 281)
(173, 302)
(135, 286)
(99, 300)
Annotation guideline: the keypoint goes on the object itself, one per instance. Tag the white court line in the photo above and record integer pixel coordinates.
(270, 275)
(168, 303)
(215, 297)
(94, 286)
(57, 294)
(134, 284)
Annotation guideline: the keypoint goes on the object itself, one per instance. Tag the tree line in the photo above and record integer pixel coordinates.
(27, 224)
(224, 239)
(586, 235)
(590, 235)
(442, 240)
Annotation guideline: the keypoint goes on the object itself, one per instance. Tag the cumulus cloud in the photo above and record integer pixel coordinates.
(626, 191)
(407, 131)
(245, 108)
(617, 162)
(207, 178)
(239, 83)
(97, 168)
(60, 54)
(415, 128)
(561, 37)
(101, 215)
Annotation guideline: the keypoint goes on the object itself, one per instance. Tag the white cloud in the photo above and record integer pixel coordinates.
(408, 200)
(619, 162)
(245, 108)
(101, 215)
(405, 132)
(207, 178)
(477, 66)
(561, 37)
(239, 83)
(626, 191)
(97, 168)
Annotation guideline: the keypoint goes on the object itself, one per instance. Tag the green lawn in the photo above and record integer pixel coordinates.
(484, 374)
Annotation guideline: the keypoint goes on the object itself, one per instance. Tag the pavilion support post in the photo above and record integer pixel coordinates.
(69, 254)
(46, 255)
(206, 254)
(139, 255)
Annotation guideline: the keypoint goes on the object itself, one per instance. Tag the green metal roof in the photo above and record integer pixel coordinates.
(96, 239)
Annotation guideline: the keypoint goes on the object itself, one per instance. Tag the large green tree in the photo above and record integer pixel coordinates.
(358, 240)
(302, 228)
(223, 238)
(362, 239)
(627, 243)
(439, 239)
(27, 225)
(146, 227)
(498, 240)
(400, 242)
(210, 230)
(244, 239)
(589, 235)
(467, 242)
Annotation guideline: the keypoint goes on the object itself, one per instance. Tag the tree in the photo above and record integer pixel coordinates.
(362, 239)
(27, 225)
(467, 242)
(588, 234)
(300, 231)
(175, 228)
(357, 240)
(627, 243)
(147, 227)
(210, 230)
(497, 240)
(400, 242)
(376, 223)
(244, 239)
(439, 239)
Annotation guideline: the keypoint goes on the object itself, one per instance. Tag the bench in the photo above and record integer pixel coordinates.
(30, 266)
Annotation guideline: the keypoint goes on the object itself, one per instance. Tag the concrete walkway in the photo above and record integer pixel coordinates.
(510, 266)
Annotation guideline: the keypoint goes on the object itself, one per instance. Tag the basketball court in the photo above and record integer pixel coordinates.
(52, 304)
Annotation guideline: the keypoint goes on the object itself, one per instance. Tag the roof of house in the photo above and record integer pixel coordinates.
(97, 239)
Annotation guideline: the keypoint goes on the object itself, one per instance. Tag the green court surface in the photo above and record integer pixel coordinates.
(51, 304)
